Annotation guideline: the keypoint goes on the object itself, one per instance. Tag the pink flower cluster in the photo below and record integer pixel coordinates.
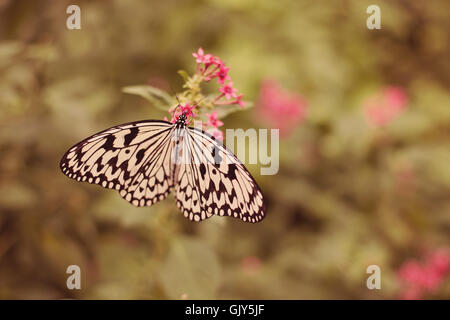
(282, 109)
(383, 107)
(180, 109)
(211, 67)
(212, 126)
(418, 279)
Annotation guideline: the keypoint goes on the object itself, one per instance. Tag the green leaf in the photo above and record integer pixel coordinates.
(157, 97)
(191, 268)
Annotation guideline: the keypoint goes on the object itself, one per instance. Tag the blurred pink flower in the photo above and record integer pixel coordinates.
(212, 126)
(418, 279)
(184, 296)
(185, 109)
(222, 74)
(386, 105)
(250, 264)
(228, 91)
(210, 67)
(201, 57)
(239, 101)
(213, 121)
(406, 179)
(283, 110)
(218, 134)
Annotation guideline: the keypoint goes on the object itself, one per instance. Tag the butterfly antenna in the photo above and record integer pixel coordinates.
(175, 94)
(197, 103)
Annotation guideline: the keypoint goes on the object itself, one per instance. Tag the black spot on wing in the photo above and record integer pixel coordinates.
(232, 171)
(129, 137)
(139, 156)
(109, 142)
(202, 170)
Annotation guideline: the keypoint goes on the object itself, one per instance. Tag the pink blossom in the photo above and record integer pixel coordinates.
(228, 91)
(175, 116)
(213, 121)
(239, 101)
(210, 67)
(386, 105)
(218, 134)
(222, 74)
(281, 109)
(419, 278)
(439, 261)
(201, 57)
(217, 61)
(250, 264)
(186, 109)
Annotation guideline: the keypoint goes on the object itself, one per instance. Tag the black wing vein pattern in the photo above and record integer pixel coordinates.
(145, 160)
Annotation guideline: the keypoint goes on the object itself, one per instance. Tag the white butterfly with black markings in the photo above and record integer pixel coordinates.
(145, 160)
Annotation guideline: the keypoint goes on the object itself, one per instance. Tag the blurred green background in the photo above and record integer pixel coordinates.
(348, 194)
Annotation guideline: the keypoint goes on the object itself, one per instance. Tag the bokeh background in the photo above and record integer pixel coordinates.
(364, 154)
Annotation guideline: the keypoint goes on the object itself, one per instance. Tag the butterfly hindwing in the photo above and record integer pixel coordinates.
(211, 180)
(133, 158)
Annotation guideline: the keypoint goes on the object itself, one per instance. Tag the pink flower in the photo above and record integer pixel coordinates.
(439, 261)
(213, 121)
(228, 91)
(186, 109)
(251, 264)
(217, 61)
(395, 97)
(418, 279)
(281, 109)
(201, 57)
(210, 67)
(239, 101)
(218, 134)
(383, 107)
(222, 74)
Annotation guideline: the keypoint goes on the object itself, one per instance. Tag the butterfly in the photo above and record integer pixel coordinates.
(146, 160)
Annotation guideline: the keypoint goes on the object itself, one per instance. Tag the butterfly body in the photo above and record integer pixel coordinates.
(146, 160)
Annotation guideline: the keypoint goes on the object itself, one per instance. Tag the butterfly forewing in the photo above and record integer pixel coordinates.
(133, 158)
